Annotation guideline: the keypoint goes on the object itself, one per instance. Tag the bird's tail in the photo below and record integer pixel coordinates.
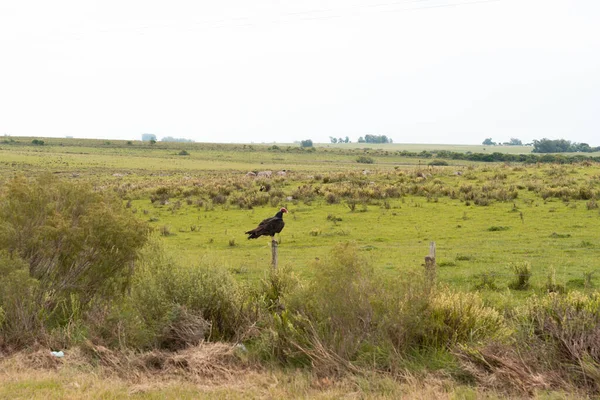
(253, 234)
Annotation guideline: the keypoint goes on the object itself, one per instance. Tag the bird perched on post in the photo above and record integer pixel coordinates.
(269, 226)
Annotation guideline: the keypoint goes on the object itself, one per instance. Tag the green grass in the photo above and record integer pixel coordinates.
(396, 239)
(394, 232)
(489, 221)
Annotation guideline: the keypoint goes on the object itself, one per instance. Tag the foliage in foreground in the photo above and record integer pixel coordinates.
(63, 249)
(67, 274)
(348, 318)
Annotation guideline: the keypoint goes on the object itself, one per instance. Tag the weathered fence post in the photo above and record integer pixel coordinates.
(274, 253)
(430, 266)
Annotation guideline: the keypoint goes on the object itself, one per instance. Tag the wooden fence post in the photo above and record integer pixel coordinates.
(430, 266)
(274, 253)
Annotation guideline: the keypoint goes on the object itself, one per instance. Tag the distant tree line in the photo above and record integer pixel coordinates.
(501, 157)
(561, 146)
(365, 139)
(548, 145)
(374, 139)
(172, 139)
(511, 142)
(339, 140)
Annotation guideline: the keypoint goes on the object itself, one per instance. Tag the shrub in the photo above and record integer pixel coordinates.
(457, 317)
(219, 199)
(486, 280)
(19, 308)
(331, 198)
(438, 163)
(568, 326)
(335, 310)
(364, 160)
(348, 316)
(351, 203)
(170, 302)
(79, 246)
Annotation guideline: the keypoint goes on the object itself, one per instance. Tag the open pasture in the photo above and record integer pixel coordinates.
(557, 237)
(515, 307)
(484, 218)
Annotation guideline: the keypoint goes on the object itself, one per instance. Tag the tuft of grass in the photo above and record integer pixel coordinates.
(522, 274)
(464, 257)
(498, 228)
(331, 217)
(485, 281)
(446, 264)
(551, 285)
(314, 232)
(555, 235)
(165, 230)
(588, 282)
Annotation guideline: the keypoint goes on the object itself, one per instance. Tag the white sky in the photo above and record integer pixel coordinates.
(418, 71)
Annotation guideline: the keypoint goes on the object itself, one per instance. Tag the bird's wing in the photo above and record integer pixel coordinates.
(266, 221)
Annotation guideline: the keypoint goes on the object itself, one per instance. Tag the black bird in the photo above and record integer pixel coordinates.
(269, 226)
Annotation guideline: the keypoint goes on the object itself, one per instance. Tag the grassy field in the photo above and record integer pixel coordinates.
(557, 236)
(490, 223)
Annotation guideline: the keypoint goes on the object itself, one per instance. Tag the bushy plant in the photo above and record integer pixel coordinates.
(20, 320)
(170, 302)
(347, 316)
(458, 317)
(568, 327)
(339, 304)
(79, 246)
(364, 160)
(485, 280)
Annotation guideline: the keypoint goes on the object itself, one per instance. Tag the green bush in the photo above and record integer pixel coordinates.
(438, 163)
(566, 327)
(19, 302)
(79, 246)
(364, 160)
(170, 302)
(457, 317)
(347, 316)
(338, 302)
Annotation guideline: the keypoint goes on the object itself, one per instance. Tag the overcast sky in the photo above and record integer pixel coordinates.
(418, 71)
